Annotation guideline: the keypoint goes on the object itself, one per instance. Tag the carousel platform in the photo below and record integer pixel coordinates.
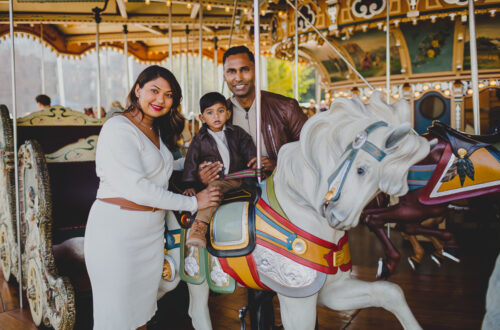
(448, 297)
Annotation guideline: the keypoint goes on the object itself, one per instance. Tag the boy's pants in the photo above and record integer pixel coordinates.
(206, 214)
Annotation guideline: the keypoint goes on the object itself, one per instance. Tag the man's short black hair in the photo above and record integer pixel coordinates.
(238, 50)
(210, 99)
(43, 99)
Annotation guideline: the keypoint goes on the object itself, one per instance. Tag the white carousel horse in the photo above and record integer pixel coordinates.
(345, 156)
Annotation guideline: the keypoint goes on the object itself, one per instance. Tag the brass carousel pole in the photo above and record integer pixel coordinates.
(231, 33)
(387, 74)
(296, 62)
(170, 47)
(200, 50)
(473, 67)
(216, 64)
(125, 50)
(387, 62)
(16, 161)
(97, 17)
(42, 68)
(256, 35)
(330, 45)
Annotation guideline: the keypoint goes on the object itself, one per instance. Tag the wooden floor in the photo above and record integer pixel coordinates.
(447, 297)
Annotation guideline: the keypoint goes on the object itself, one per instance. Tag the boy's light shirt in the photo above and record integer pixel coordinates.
(248, 123)
(222, 146)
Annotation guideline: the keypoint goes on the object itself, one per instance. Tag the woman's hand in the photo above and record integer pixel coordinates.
(208, 172)
(189, 192)
(209, 197)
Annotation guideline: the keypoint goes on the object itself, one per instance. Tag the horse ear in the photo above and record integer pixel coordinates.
(397, 134)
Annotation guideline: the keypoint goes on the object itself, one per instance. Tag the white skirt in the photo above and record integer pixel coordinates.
(124, 258)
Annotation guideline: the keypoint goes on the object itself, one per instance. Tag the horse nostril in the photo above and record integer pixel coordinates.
(361, 170)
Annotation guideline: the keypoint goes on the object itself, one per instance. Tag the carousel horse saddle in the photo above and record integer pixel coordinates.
(246, 193)
(459, 140)
(232, 230)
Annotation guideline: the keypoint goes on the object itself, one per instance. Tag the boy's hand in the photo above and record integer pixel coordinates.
(267, 164)
(189, 192)
(208, 171)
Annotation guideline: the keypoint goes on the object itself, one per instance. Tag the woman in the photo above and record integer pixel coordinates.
(125, 230)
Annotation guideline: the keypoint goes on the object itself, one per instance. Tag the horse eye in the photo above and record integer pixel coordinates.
(361, 170)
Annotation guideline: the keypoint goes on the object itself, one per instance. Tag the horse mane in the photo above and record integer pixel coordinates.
(325, 136)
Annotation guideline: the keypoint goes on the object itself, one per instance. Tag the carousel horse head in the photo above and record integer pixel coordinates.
(357, 150)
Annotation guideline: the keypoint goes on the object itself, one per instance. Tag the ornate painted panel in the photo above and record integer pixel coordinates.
(367, 49)
(430, 45)
(488, 43)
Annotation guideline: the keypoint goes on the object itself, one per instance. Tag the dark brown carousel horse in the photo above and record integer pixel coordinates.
(470, 163)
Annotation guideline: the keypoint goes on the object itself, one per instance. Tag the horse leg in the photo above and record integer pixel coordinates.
(298, 313)
(198, 306)
(450, 245)
(418, 250)
(346, 293)
(391, 253)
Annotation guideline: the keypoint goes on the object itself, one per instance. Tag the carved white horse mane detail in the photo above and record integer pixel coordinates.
(301, 181)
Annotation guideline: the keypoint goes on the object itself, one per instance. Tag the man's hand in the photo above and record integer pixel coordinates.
(267, 164)
(208, 171)
(189, 192)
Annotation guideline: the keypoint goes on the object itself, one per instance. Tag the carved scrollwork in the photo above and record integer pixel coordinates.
(283, 270)
(367, 8)
(309, 13)
(51, 296)
(8, 226)
(59, 116)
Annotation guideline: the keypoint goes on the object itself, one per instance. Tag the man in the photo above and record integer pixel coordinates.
(281, 122)
(281, 117)
(42, 101)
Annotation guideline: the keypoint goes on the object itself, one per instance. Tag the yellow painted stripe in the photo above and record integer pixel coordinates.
(240, 266)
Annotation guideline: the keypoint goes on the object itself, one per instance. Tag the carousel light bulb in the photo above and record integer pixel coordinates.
(447, 92)
(189, 5)
(209, 7)
(469, 91)
(168, 3)
(227, 9)
(417, 94)
(396, 96)
(493, 82)
(147, 2)
(425, 87)
(437, 86)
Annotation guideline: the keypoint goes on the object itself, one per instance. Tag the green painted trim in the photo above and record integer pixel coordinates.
(271, 195)
(202, 258)
(214, 287)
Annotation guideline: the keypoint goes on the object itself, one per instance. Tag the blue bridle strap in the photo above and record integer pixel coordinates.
(360, 143)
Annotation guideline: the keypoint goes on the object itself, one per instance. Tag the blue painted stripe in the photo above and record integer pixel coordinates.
(287, 245)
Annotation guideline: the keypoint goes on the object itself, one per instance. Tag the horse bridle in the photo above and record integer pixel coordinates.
(360, 142)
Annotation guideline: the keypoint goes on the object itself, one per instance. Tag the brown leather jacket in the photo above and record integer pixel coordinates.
(204, 148)
(282, 121)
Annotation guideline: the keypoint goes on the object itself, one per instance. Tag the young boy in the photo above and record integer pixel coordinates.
(216, 141)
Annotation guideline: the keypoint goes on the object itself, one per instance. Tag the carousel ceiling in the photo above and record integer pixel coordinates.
(427, 37)
(69, 25)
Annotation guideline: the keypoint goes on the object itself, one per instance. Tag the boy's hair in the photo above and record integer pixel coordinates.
(210, 99)
(238, 50)
(43, 99)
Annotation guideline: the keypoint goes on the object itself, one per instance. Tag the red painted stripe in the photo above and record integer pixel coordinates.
(286, 223)
(227, 269)
(305, 262)
(253, 271)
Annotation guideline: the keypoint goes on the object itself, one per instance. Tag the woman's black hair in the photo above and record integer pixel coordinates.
(171, 125)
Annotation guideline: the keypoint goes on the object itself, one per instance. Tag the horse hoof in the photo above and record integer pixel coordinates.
(450, 254)
(382, 270)
(413, 264)
(436, 260)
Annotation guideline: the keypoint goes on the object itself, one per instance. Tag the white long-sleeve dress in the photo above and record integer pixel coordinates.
(124, 248)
